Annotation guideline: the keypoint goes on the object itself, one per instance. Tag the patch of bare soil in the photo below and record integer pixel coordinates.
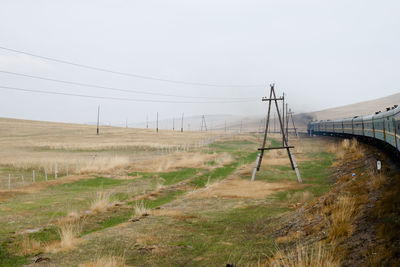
(235, 187)
(372, 234)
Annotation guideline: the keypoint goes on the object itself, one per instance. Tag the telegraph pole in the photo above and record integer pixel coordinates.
(98, 119)
(157, 123)
(272, 98)
(182, 123)
(283, 118)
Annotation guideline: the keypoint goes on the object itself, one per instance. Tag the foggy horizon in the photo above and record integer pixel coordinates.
(322, 55)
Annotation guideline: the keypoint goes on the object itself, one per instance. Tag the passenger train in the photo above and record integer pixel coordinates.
(382, 127)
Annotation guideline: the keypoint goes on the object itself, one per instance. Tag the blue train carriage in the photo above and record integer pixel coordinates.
(358, 126)
(368, 126)
(396, 122)
(338, 126)
(348, 126)
(390, 126)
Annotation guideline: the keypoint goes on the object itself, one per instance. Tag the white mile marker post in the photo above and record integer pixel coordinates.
(9, 181)
(45, 174)
(23, 181)
(33, 176)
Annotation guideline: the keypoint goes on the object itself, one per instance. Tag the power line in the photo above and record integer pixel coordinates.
(119, 89)
(128, 74)
(119, 98)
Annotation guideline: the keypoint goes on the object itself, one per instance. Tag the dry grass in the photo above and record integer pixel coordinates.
(238, 188)
(101, 202)
(108, 261)
(140, 209)
(182, 160)
(342, 213)
(28, 246)
(377, 180)
(28, 145)
(304, 256)
(300, 197)
(291, 237)
(69, 233)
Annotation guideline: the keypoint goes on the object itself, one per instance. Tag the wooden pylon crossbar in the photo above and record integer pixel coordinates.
(285, 145)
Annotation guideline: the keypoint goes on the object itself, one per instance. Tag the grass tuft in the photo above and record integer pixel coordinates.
(141, 209)
(108, 261)
(304, 256)
(341, 218)
(101, 202)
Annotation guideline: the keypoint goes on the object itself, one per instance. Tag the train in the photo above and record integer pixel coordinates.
(382, 128)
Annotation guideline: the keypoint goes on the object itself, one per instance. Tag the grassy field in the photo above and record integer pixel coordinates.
(195, 207)
(46, 148)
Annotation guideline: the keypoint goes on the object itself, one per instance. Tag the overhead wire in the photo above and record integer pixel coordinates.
(120, 89)
(131, 74)
(120, 98)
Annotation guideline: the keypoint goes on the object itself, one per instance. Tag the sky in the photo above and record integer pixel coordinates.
(322, 54)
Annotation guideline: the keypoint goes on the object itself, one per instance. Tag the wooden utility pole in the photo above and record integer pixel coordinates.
(173, 123)
(203, 124)
(283, 116)
(287, 122)
(157, 123)
(273, 98)
(98, 120)
(290, 116)
(182, 123)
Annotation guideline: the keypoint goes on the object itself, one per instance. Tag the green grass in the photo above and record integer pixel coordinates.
(237, 236)
(45, 235)
(87, 184)
(217, 174)
(231, 146)
(170, 196)
(8, 260)
(177, 176)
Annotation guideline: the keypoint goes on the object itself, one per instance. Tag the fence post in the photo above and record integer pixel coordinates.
(23, 181)
(9, 181)
(55, 171)
(67, 170)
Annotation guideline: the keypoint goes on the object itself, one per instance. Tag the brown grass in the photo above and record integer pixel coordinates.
(182, 160)
(108, 261)
(28, 145)
(101, 202)
(69, 233)
(237, 188)
(291, 237)
(377, 180)
(28, 246)
(300, 197)
(342, 213)
(140, 209)
(304, 256)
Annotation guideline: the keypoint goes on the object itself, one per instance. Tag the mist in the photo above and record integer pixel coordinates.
(321, 54)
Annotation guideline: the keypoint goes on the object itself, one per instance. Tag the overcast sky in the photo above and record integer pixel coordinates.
(321, 53)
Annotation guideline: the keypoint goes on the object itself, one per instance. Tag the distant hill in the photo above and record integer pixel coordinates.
(358, 109)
